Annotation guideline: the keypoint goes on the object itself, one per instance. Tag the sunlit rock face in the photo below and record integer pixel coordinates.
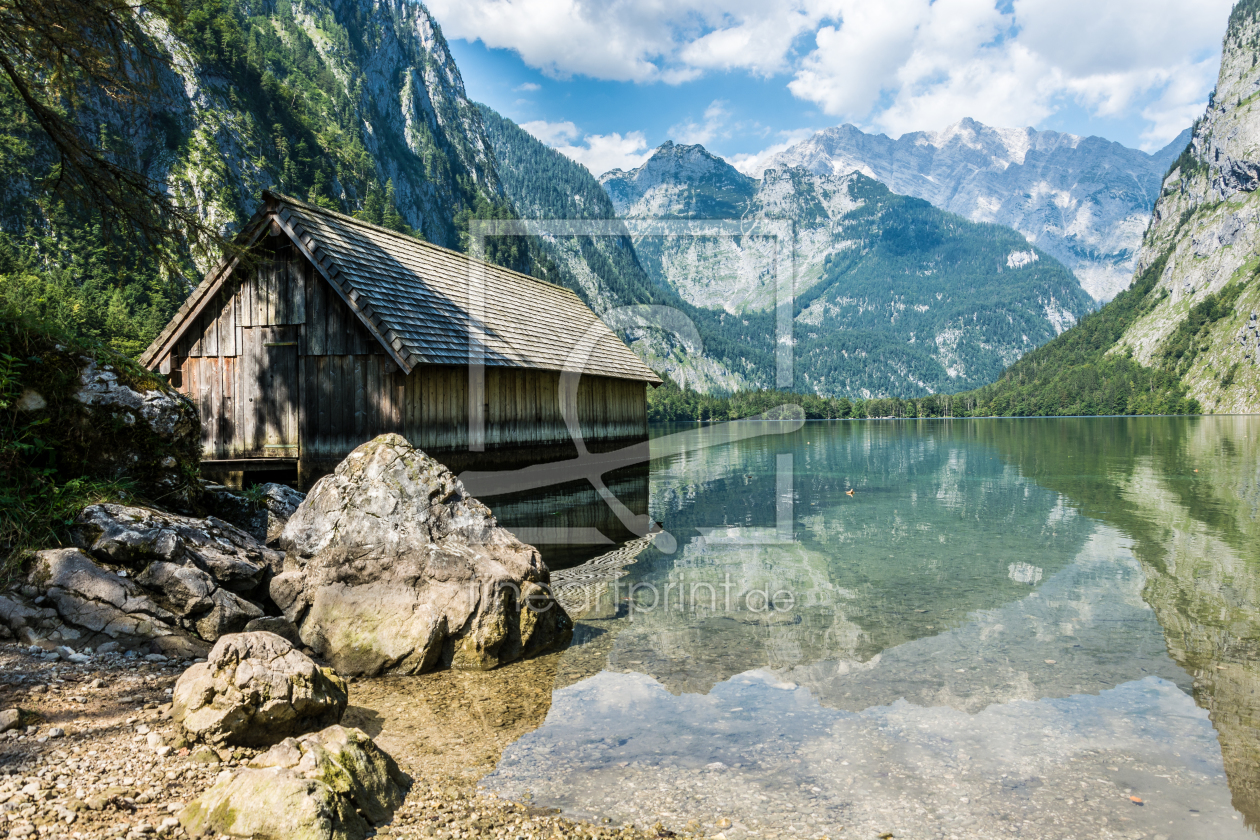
(1204, 234)
(1084, 200)
(871, 270)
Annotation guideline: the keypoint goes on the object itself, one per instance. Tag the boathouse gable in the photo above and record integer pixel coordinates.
(330, 331)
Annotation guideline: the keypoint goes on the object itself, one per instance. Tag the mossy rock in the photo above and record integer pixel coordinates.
(78, 412)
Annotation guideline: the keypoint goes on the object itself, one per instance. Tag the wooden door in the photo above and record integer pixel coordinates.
(276, 407)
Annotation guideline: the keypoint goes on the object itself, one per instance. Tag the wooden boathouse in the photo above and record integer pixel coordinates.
(327, 331)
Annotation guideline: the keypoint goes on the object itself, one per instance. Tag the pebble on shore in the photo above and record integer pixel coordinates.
(95, 754)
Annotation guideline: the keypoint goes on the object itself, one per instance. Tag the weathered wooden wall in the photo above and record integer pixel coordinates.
(279, 366)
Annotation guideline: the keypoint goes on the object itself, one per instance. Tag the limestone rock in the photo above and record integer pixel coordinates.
(330, 785)
(277, 624)
(281, 502)
(105, 606)
(196, 570)
(134, 537)
(232, 506)
(255, 689)
(263, 519)
(1084, 200)
(27, 622)
(392, 565)
(9, 719)
(138, 428)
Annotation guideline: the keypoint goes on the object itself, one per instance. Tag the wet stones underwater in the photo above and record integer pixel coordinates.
(985, 640)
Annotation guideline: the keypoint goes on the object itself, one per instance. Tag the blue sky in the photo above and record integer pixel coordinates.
(607, 82)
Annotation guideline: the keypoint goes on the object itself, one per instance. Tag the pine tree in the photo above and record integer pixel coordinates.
(373, 207)
(391, 218)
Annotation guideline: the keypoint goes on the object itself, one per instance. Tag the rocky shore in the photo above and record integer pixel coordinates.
(95, 753)
(195, 662)
(299, 668)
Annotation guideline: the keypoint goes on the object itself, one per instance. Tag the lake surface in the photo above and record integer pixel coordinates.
(1010, 628)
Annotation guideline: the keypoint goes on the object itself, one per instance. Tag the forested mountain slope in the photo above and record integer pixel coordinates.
(353, 104)
(1185, 336)
(1084, 200)
(892, 295)
(544, 184)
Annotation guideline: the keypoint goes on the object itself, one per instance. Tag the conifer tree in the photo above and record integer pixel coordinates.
(391, 218)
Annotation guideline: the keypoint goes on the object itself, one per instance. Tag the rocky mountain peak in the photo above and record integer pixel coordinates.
(682, 181)
(1198, 253)
(1085, 200)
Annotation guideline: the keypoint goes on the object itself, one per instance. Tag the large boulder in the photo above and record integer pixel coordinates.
(330, 785)
(392, 566)
(209, 575)
(261, 512)
(100, 606)
(133, 425)
(134, 537)
(255, 689)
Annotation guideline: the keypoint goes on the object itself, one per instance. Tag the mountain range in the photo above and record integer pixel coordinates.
(926, 264)
(1189, 323)
(891, 294)
(1084, 200)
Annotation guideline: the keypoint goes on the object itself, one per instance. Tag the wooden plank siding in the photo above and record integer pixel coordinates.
(279, 366)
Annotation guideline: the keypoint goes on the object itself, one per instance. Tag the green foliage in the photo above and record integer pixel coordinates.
(1188, 162)
(87, 287)
(508, 251)
(42, 488)
(1183, 345)
(1075, 375)
(381, 208)
(304, 120)
(914, 273)
(671, 403)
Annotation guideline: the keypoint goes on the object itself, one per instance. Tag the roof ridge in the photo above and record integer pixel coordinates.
(314, 208)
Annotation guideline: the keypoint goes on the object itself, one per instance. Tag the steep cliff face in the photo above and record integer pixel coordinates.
(1204, 242)
(1084, 200)
(330, 100)
(891, 295)
(604, 269)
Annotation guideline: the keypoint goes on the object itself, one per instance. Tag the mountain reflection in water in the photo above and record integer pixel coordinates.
(1010, 628)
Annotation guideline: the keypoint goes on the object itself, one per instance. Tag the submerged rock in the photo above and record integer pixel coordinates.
(392, 566)
(330, 785)
(255, 689)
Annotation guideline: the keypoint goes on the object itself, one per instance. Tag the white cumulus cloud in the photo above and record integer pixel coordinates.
(905, 65)
(891, 65)
(754, 164)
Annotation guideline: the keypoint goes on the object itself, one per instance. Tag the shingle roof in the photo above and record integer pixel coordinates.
(421, 300)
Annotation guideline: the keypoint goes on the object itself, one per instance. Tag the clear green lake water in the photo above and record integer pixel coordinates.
(1011, 628)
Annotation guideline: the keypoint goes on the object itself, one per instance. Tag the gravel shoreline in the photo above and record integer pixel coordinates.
(96, 754)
